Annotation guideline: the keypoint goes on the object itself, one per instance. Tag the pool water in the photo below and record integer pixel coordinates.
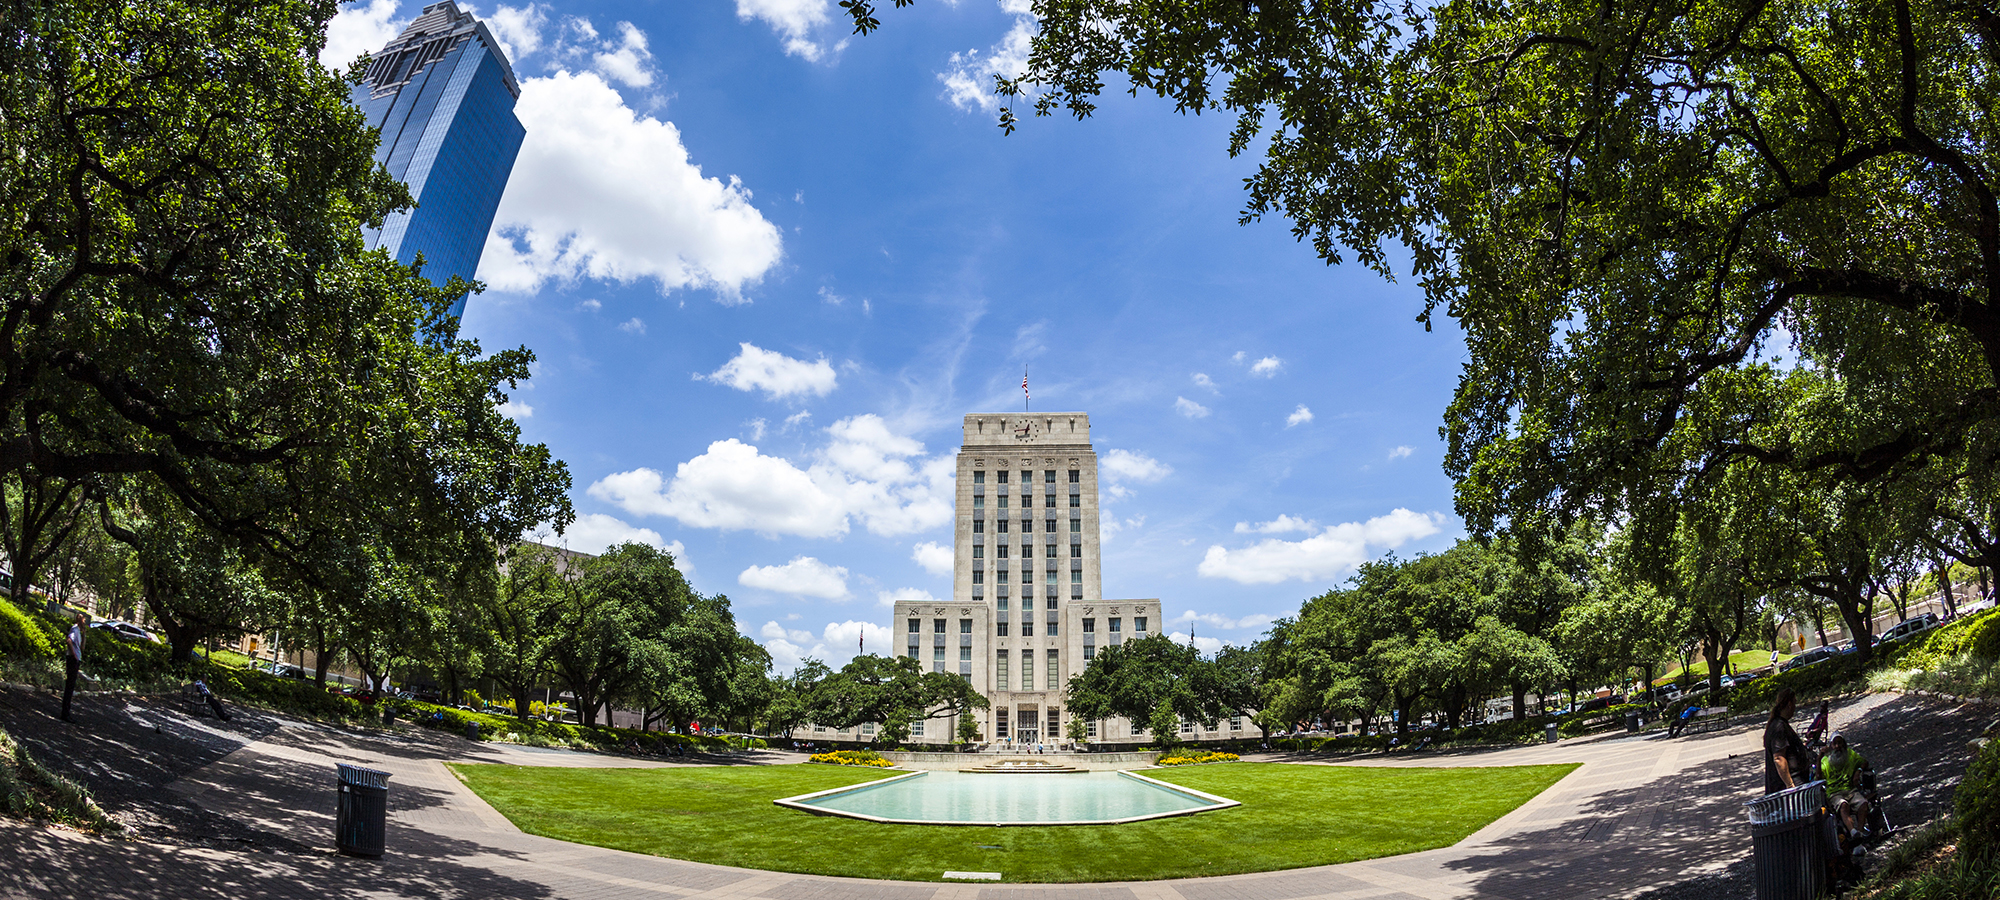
(958, 798)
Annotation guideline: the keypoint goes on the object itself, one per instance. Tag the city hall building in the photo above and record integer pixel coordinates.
(1027, 608)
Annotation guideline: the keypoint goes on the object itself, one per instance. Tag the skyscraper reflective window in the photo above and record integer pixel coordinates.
(443, 95)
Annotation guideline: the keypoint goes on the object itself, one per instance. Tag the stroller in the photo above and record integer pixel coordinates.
(1816, 732)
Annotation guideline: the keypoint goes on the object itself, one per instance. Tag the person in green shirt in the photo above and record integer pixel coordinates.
(1842, 769)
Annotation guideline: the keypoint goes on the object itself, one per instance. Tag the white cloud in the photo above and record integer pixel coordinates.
(827, 296)
(593, 305)
(518, 29)
(798, 22)
(515, 409)
(599, 191)
(1214, 620)
(1129, 466)
(969, 83)
(1283, 524)
(777, 375)
(628, 62)
(804, 576)
(1337, 549)
(1207, 645)
(757, 427)
(1267, 367)
(1401, 452)
(596, 532)
(1299, 416)
(1201, 379)
(1189, 408)
(835, 646)
(889, 599)
(1238, 357)
(359, 28)
(934, 557)
(634, 325)
(797, 418)
(865, 472)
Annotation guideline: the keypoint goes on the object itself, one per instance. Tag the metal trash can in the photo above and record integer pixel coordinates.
(388, 715)
(1788, 837)
(1552, 732)
(472, 731)
(1632, 723)
(363, 810)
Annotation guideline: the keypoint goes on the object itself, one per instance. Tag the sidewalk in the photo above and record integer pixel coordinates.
(1639, 811)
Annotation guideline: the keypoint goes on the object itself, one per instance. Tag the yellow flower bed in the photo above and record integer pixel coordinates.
(852, 758)
(1196, 760)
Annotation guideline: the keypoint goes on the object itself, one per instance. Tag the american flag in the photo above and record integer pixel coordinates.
(1024, 385)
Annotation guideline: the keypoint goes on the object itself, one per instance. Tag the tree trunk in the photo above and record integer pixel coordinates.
(1520, 701)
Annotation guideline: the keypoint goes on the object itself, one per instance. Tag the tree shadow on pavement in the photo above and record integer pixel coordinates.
(1665, 830)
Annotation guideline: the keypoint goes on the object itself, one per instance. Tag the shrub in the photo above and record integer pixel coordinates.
(1197, 759)
(27, 636)
(1977, 635)
(852, 758)
(1814, 679)
(1976, 803)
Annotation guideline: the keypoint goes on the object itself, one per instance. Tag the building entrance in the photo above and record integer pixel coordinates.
(1029, 728)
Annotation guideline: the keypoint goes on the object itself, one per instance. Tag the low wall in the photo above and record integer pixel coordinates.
(952, 762)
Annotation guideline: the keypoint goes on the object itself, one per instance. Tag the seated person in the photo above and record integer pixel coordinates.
(1681, 722)
(1842, 769)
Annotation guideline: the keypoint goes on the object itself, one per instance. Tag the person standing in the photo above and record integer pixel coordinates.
(72, 662)
(1786, 764)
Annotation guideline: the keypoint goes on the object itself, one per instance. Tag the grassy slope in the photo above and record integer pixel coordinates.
(1744, 660)
(1291, 816)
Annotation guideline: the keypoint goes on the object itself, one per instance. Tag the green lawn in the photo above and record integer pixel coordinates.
(1291, 816)
(1744, 660)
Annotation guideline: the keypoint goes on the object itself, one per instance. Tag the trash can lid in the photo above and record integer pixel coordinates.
(1788, 805)
(375, 778)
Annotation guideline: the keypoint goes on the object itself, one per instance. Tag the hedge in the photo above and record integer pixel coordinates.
(599, 737)
(27, 636)
(1977, 635)
(1976, 804)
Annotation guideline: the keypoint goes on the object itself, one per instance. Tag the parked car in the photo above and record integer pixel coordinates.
(1807, 658)
(125, 631)
(1909, 628)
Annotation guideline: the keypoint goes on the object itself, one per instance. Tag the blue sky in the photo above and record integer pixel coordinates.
(767, 267)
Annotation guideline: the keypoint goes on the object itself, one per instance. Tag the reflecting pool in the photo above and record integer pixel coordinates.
(959, 798)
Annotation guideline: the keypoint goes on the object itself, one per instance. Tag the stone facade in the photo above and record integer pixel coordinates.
(1027, 608)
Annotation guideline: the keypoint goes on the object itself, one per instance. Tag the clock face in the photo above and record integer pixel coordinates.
(1026, 430)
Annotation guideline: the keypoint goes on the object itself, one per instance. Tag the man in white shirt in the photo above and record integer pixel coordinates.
(72, 661)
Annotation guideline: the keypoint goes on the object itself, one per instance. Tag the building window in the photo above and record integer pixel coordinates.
(1049, 525)
(965, 626)
(1002, 573)
(1055, 723)
(1027, 478)
(1114, 626)
(978, 576)
(1050, 503)
(1075, 526)
(1001, 477)
(868, 728)
(1075, 476)
(1027, 668)
(1027, 499)
(979, 477)
(1075, 501)
(1090, 729)
(1002, 524)
(978, 527)
(1027, 627)
(916, 728)
(819, 729)
(1052, 627)
(1000, 679)
(1075, 576)
(1055, 672)
(1027, 526)
(1000, 720)
(1000, 629)
(1003, 604)
(1187, 726)
(937, 658)
(978, 501)
(937, 626)
(1048, 476)
(1002, 549)
(914, 651)
(1076, 551)
(1076, 592)
(1138, 623)
(1089, 652)
(965, 653)
(979, 551)
(916, 626)
(1049, 578)
(999, 502)
(1090, 626)
(1235, 723)
(1050, 548)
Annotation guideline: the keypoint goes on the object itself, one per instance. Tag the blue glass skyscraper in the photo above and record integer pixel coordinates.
(443, 95)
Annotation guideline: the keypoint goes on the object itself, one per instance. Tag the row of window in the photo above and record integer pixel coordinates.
(1001, 679)
(1027, 502)
(1027, 526)
(937, 626)
(1028, 720)
(1028, 550)
(1048, 476)
(1114, 624)
(1027, 576)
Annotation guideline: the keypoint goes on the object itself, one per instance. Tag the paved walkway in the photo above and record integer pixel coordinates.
(1638, 812)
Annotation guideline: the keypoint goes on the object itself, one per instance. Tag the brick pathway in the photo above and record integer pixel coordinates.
(1638, 812)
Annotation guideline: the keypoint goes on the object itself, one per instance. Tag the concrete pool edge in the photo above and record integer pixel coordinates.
(798, 802)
